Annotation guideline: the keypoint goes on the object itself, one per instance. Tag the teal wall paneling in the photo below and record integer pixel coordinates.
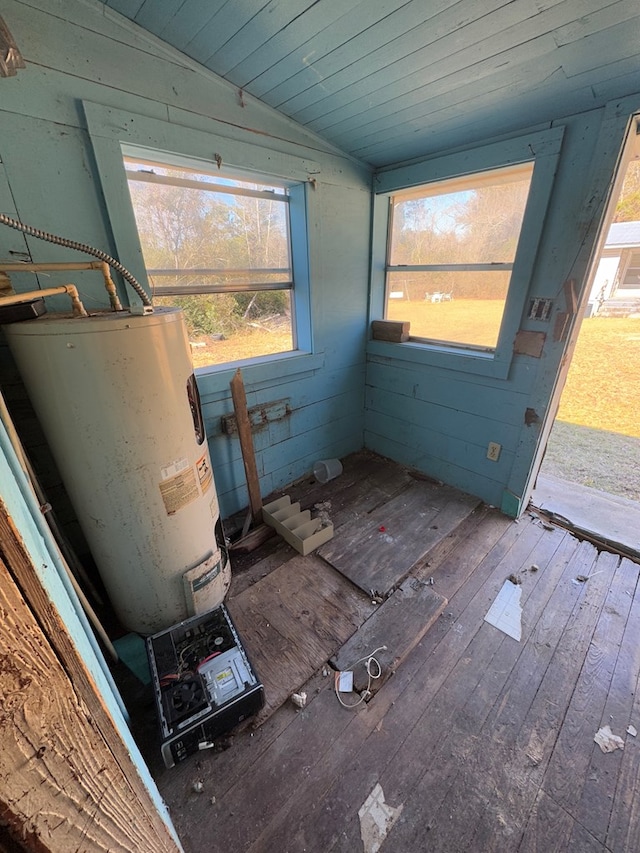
(431, 404)
(457, 448)
(82, 56)
(416, 452)
(472, 395)
(16, 246)
(425, 47)
(437, 415)
(420, 415)
(325, 419)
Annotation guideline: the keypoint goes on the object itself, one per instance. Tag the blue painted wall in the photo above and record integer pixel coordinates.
(441, 419)
(438, 418)
(49, 177)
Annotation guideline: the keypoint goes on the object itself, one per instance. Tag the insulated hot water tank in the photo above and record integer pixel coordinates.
(117, 399)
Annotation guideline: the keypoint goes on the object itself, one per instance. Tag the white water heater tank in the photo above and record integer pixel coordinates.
(117, 399)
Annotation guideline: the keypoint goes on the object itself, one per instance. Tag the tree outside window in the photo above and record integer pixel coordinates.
(218, 246)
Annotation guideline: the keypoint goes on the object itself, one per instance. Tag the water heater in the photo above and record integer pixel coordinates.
(117, 399)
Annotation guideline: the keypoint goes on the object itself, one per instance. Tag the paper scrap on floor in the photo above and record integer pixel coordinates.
(505, 613)
(376, 820)
(607, 741)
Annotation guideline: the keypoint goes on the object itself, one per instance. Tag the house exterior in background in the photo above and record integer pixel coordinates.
(616, 287)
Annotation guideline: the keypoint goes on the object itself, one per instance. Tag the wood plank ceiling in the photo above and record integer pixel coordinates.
(390, 80)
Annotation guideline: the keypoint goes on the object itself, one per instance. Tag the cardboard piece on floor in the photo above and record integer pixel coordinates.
(505, 613)
(607, 741)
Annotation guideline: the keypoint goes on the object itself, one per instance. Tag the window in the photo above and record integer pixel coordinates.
(217, 244)
(451, 251)
(631, 278)
(454, 233)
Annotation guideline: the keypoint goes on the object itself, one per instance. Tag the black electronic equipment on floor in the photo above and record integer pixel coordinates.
(203, 681)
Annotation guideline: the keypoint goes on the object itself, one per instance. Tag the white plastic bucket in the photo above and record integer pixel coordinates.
(326, 469)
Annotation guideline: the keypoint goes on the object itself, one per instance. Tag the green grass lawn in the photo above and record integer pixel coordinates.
(603, 385)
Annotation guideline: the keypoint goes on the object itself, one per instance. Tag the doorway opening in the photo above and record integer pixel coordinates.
(590, 475)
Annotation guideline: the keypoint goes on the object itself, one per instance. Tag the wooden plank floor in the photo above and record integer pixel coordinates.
(484, 743)
(378, 553)
(293, 620)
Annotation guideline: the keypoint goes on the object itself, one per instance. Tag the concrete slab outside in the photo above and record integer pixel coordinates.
(611, 518)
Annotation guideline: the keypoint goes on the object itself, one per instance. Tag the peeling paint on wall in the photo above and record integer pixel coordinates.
(531, 417)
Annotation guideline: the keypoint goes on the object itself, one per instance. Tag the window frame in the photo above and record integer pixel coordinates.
(241, 278)
(628, 256)
(112, 131)
(543, 150)
(143, 176)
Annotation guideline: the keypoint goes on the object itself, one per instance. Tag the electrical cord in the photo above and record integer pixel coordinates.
(374, 671)
(80, 247)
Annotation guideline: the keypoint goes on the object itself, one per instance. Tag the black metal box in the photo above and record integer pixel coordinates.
(203, 682)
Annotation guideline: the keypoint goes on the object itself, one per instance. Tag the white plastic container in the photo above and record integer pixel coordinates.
(327, 469)
(116, 398)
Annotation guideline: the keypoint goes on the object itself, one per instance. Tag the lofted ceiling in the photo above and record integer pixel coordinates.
(391, 80)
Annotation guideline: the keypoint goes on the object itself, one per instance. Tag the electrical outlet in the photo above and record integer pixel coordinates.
(493, 451)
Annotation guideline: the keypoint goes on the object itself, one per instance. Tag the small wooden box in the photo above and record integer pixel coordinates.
(390, 330)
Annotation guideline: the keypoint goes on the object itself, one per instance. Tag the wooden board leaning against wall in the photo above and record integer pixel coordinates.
(67, 781)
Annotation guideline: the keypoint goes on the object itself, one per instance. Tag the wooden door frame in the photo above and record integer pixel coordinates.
(67, 779)
(615, 139)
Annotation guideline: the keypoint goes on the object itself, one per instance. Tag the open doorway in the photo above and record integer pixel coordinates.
(590, 475)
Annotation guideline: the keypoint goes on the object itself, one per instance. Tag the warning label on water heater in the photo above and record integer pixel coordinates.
(205, 474)
(179, 490)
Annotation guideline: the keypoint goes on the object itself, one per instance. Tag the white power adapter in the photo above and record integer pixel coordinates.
(345, 681)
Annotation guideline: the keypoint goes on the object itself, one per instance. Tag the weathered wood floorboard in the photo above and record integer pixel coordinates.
(590, 796)
(302, 824)
(517, 741)
(293, 620)
(449, 735)
(486, 743)
(624, 826)
(377, 552)
(356, 765)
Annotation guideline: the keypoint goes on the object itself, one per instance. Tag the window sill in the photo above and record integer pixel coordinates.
(213, 381)
(442, 356)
